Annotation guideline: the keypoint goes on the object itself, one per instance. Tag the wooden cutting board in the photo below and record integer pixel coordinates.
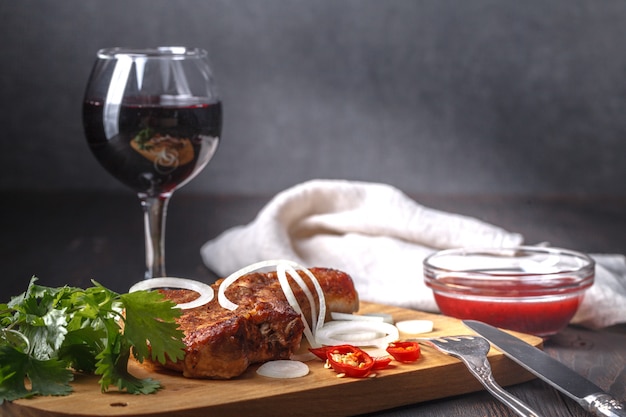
(434, 376)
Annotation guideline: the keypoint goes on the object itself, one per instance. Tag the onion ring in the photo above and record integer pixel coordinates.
(16, 339)
(380, 333)
(205, 290)
(415, 326)
(355, 317)
(229, 280)
(283, 368)
(284, 267)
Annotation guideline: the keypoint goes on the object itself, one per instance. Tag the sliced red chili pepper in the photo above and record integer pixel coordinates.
(350, 360)
(320, 352)
(404, 351)
(381, 362)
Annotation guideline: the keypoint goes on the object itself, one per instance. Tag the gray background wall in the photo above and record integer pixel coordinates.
(433, 96)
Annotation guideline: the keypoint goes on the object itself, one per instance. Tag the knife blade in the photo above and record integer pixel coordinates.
(584, 392)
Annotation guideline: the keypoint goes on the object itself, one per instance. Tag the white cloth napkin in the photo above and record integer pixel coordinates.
(380, 236)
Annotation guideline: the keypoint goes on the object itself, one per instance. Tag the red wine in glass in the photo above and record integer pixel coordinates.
(157, 148)
(153, 119)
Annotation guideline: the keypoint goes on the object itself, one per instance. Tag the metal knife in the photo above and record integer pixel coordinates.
(584, 392)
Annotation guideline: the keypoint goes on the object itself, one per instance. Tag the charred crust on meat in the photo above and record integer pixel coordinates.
(222, 344)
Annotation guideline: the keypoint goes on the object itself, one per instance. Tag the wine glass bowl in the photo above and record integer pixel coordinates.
(152, 118)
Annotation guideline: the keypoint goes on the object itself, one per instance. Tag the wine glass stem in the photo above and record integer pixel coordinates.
(154, 215)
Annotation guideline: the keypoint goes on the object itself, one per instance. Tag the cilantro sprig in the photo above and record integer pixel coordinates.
(47, 333)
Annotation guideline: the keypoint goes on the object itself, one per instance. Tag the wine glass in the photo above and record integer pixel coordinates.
(153, 119)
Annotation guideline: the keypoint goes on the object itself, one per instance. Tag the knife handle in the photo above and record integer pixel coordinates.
(604, 405)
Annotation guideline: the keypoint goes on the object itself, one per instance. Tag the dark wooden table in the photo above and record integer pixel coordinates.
(71, 238)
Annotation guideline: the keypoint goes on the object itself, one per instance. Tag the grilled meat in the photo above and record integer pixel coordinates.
(221, 344)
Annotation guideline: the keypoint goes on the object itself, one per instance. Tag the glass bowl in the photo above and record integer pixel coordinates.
(530, 289)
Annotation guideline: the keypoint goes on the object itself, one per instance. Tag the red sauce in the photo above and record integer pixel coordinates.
(529, 289)
(541, 318)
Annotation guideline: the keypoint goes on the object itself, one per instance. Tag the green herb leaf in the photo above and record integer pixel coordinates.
(112, 365)
(47, 377)
(11, 376)
(150, 326)
(46, 331)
